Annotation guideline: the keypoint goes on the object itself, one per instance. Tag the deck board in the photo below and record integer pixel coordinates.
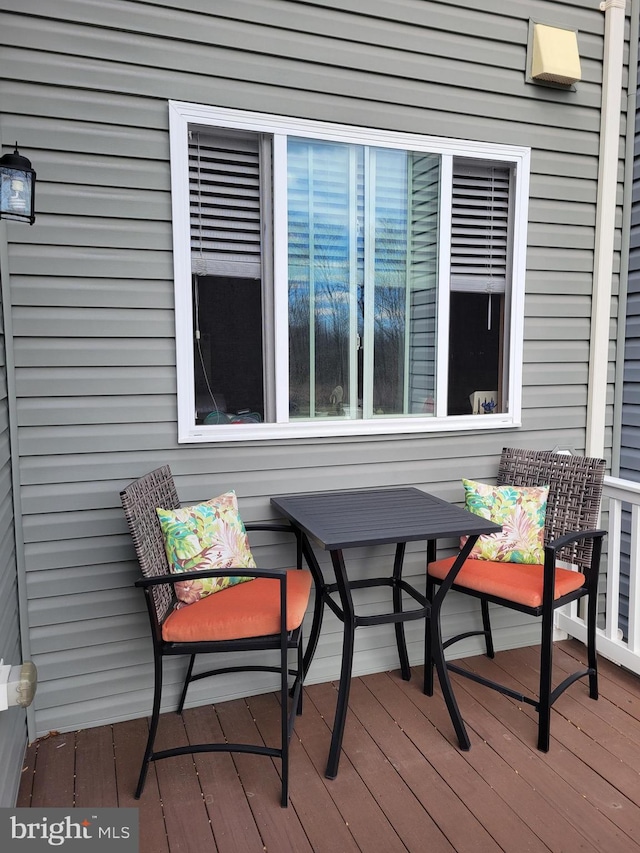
(129, 741)
(376, 769)
(463, 772)
(234, 829)
(54, 783)
(403, 784)
(94, 748)
(361, 814)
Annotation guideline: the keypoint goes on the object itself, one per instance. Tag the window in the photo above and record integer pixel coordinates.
(333, 280)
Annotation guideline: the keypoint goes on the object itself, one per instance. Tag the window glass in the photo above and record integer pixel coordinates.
(325, 276)
(362, 250)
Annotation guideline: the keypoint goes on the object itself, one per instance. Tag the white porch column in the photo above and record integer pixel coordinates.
(614, 11)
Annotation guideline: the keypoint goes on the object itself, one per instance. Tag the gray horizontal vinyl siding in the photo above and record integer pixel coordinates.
(13, 728)
(85, 90)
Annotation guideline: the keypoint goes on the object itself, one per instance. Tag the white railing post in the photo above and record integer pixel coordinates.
(633, 631)
(613, 575)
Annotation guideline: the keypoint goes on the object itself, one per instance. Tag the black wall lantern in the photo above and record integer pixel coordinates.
(17, 188)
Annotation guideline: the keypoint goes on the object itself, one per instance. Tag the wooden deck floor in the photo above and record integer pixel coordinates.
(403, 783)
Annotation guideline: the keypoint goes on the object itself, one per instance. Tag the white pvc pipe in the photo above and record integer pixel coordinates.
(605, 222)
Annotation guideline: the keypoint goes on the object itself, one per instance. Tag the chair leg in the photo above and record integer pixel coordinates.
(486, 626)
(187, 681)
(284, 726)
(153, 728)
(592, 656)
(544, 695)
(300, 677)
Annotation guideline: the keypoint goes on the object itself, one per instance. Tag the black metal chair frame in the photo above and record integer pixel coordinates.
(575, 492)
(139, 500)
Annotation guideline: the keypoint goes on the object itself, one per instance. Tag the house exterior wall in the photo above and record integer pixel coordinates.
(85, 91)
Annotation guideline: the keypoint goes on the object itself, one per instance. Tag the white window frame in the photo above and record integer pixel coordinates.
(181, 116)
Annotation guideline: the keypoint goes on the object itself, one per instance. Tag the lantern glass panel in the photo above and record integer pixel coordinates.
(15, 193)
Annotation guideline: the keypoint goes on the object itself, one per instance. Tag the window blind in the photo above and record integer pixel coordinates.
(479, 227)
(224, 193)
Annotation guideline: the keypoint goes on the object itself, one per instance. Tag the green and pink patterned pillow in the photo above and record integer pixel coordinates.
(521, 512)
(209, 535)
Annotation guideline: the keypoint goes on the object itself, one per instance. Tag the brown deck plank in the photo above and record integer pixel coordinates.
(410, 820)
(627, 681)
(601, 793)
(586, 718)
(359, 810)
(234, 828)
(94, 747)
(409, 708)
(496, 766)
(623, 687)
(186, 817)
(129, 739)
(612, 700)
(569, 782)
(279, 828)
(457, 823)
(590, 751)
(522, 767)
(54, 783)
(323, 824)
(487, 764)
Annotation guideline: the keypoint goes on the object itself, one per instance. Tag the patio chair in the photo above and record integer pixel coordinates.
(570, 535)
(263, 614)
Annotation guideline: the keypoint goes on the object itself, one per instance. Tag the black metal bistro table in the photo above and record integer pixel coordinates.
(349, 519)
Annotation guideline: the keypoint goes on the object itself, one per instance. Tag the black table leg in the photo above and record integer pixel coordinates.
(437, 651)
(401, 641)
(445, 683)
(318, 608)
(347, 665)
(428, 646)
(428, 639)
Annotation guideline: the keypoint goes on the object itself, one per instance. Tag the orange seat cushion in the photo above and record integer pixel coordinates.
(246, 610)
(517, 582)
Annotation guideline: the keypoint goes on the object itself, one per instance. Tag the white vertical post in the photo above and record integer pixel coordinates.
(610, 113)
(613, 569)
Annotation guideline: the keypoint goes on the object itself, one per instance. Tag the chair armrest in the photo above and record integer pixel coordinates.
(569, 538)
(550, 551)
(176, 577)
(286, 527)
(282, 528)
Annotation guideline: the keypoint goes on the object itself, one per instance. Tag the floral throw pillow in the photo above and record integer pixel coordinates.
(209, 535)
(521, 512)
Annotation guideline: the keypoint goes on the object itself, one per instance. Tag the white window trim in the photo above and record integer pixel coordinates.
(181, 115)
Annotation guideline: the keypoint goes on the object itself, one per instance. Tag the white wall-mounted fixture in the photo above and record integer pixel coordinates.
(553, 58)
(17, 684)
